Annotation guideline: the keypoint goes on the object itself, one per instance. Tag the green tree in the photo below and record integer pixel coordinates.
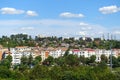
(37, 60)
(67, 52)
(24, 63)
(7, 61)
(87, 61)
(92, 58)
(104, 58)
(49, 61)
(72, 60)
(5, 72)
(69, 75)
(30, 60)
(56, 73)
(24, 60)
(118, 60)
(82, 60)
(9, 58)
(60, 61)
(23, 68)
(17, 75)
(102, 65)
(39, 73)
(115, 62)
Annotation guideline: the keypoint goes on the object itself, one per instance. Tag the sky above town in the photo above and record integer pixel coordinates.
(68, 18)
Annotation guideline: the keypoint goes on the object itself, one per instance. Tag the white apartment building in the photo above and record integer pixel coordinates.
(57, 53)
(85, 52)
(107, 53)
(97, 52)
(18, 52)
(54, 52)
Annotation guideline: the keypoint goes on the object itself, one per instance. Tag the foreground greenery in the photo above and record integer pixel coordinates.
(41, 72)
(67, 67)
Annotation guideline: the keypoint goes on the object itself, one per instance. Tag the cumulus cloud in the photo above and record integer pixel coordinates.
(27, 28)
(109, 9)
(7, 10)
(31, 13)
(71, 15)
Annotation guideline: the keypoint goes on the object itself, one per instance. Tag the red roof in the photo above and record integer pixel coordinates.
(90, 50)
(76, 50)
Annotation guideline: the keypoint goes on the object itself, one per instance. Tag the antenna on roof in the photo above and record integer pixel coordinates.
(114, 37)
(111, 37)
(108, 36)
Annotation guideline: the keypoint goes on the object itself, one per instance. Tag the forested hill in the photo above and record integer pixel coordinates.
(53, 41)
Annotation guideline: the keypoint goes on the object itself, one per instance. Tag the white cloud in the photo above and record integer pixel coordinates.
(71, 15)
(116, 32)
(27, 28)
(83, 24)
(7, 10)
(31, 13)
(100, 32)
(109, 9)
(53, 27)
(83, 33)
(86, 28)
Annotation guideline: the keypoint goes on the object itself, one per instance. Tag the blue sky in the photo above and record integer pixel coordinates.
(60, 17)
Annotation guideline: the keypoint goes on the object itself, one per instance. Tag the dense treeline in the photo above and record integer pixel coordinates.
(67, 67)
(17, 40)
(41, 72)
(26, 40)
